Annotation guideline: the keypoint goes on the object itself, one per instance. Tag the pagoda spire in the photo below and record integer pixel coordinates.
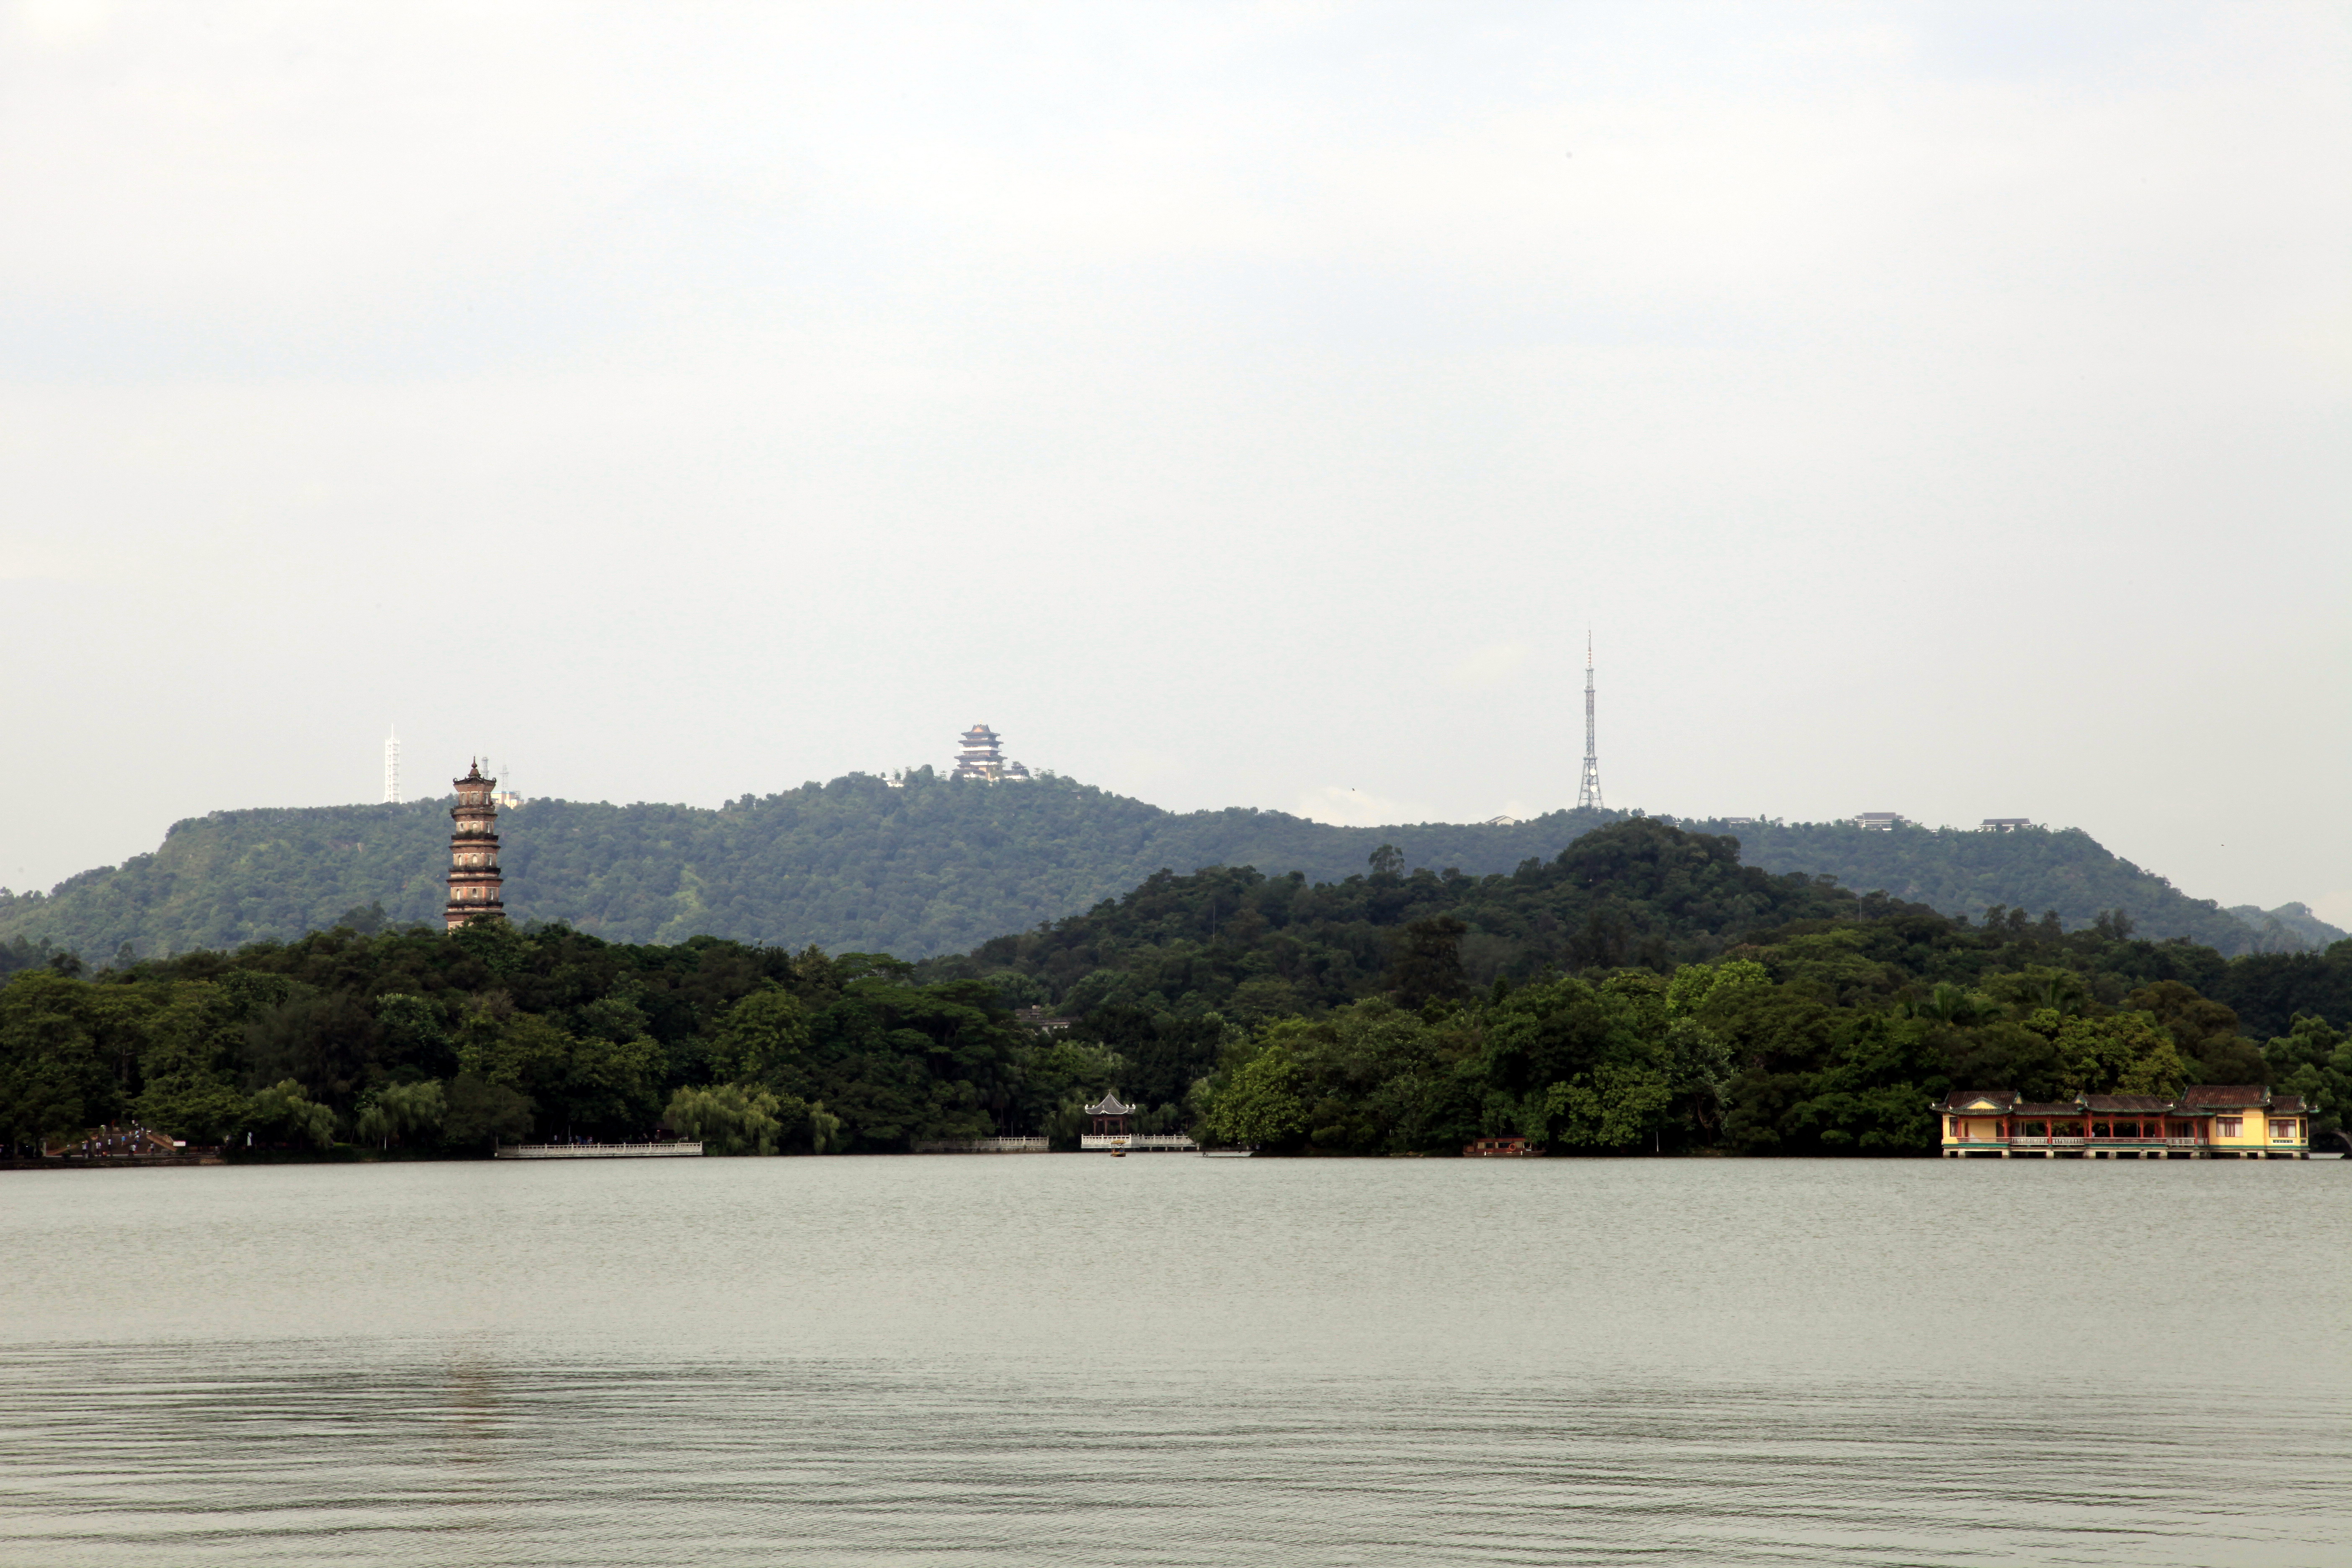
(474, 884)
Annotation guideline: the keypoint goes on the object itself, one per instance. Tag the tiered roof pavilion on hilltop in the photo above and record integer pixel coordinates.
(981, 757)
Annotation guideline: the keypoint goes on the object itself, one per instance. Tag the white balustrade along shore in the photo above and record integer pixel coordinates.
(984, 1146)
(1137, 1143)
(597, 1151)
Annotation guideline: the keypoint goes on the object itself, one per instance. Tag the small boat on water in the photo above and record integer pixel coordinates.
(1227, 1153)
(1506, 1148)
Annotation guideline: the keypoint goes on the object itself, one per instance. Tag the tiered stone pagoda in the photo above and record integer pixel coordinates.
(474, 880)
(982, 758)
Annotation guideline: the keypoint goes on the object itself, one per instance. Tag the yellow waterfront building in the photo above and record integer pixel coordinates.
(2244, 1121)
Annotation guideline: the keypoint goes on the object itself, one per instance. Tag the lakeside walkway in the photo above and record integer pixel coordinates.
(682, 1150)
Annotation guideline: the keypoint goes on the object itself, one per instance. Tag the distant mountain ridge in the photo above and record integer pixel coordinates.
(1962, 871)
(2290, 928)
(942, 865)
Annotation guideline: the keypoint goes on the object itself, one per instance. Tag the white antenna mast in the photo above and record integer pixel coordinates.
(1588, 789)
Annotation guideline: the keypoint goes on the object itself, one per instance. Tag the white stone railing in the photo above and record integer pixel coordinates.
(1138, 1142)
(983, 1146)
(595, 1151)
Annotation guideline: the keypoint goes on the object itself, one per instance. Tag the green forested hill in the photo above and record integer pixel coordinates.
(1960, 872)
(1234, 941)
(851, 866)
(938, 866)
(1361, 987)
(1640, 992)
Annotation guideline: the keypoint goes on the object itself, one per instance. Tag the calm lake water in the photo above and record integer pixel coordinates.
(1066, 1359)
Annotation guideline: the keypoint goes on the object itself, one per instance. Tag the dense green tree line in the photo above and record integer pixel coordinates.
(1848, 1009)
(1812, 1043)
(1639, 990)
(938, 866)
(410, 1036)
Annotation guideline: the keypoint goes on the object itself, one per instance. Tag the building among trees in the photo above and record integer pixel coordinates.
(474, 881)
(2245, 1121)
(981, 757)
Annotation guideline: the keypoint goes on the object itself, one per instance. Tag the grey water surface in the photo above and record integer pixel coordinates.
(1164, 1360)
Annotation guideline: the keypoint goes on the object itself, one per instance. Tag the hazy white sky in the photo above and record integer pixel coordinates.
(1933, 409)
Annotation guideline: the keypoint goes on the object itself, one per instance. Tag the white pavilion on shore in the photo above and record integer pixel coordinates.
(1109, 1131)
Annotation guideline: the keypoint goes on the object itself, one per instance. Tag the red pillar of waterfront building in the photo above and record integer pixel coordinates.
(474, 885)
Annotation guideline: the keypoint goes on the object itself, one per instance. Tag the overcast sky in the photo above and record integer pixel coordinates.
(1938, 409)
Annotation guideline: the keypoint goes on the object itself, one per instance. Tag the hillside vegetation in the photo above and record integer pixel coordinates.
(1641, 991)
(1167, 975)
(941, 867)
(1234, 941)
(1959, 871)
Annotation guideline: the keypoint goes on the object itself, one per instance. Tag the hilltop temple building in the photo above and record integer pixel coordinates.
(474, 880)
(982, 758)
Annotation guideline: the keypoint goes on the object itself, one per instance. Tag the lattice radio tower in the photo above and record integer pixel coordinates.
(391, 768)
(1588, 788)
